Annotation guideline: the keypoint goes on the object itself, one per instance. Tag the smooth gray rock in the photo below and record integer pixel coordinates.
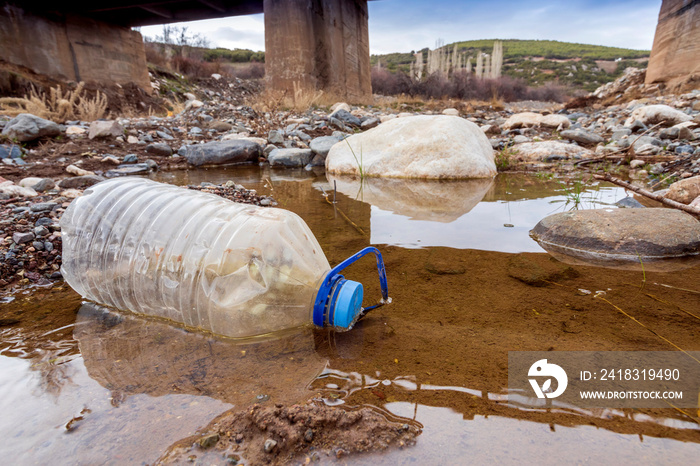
(21, 238)
(290, 157)
(346, 117)
(581, 136)
(105, 128)
(620, 134)
(44, 185)
(223, 152)
(42, 207)
(323, 144)
(275, 137)
(12, 151)
(128, 170)
(27, 127)
(130, 158)
(622, 238)
(369, 123)
(159, 148)
(629, 202)
(79, 182)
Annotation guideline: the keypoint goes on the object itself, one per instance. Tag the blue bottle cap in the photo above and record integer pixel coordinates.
(348, 304)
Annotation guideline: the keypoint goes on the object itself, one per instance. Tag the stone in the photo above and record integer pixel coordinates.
(451, 111)
(684, 191)
(369, 123)
(629, 202)
(269, 445)
(620, 134)
(105, 129)
(10, 151)
(43, 185)
(73, 170)
(110, 159)
(159, 148)
(80, 182)
(684, 149)
(75, 131)
(132, 140)
(190, 96)
(520, 139)
(523, 120)
(345, 117)
(340, 105)
(275, 136)
(323, 144)
(43, 207)
(290, 157)
(621, 238)
(26, 127)
(581, 136)
(193, 104)
(208, 441)
(637, 163)
(550, 151)
(224, 152)
(555, 121)
(21, 238)
(422, 146)
(220, 126)
(41, 231)
(655, 114)
(130, 158)
(129, 170)
(28, 182)
(11, 189)
(385, 118)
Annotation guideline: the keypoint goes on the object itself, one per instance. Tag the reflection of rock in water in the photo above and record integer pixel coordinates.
(131, 355)
(438, 201)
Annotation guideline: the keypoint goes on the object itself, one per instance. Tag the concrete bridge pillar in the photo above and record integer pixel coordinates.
(72, 48)
(675, 56)
(318, 45)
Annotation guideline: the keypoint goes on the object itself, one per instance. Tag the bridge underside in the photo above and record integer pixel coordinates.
(311, 45)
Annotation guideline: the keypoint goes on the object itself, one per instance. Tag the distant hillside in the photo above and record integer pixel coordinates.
(540, 61)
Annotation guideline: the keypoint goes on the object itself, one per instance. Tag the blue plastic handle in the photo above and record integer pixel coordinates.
(323, 297)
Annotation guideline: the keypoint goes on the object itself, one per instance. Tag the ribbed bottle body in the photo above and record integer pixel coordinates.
(198, 259)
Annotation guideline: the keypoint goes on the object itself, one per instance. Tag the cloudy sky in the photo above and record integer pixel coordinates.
(405, 25)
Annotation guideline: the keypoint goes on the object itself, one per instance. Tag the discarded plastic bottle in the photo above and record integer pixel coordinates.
(206, 262)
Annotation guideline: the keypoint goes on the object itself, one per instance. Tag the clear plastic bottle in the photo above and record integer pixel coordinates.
(201, 260)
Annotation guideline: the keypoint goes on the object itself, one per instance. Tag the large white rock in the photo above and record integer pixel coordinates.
(654, 114)
(523, 120)
(531, 119)
(423, 146)
(549, 151)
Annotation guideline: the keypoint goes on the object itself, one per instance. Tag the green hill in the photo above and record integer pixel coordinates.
(537, 62)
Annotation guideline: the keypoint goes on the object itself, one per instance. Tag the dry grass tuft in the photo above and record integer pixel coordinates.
(300, 100)
(57, 106)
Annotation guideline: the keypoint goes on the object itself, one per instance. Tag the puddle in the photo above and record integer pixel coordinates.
(466, 289)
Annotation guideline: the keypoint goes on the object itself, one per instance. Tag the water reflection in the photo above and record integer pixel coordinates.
(490, 215)
(434, 201)
(130, 355)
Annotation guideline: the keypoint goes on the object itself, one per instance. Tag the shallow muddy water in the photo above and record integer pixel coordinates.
(82, 385)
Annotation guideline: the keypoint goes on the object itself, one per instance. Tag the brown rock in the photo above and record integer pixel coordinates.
(622, 238)
(684, 191)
